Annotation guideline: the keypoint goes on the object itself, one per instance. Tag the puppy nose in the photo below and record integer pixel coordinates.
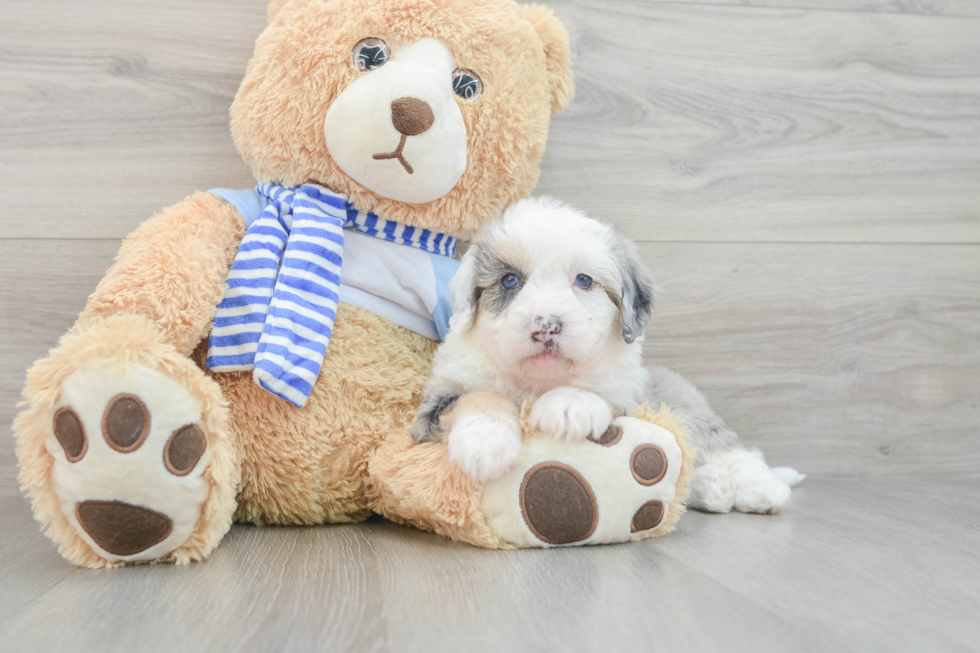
(411, 116)
(545, 328)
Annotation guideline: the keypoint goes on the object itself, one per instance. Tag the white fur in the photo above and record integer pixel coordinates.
(554, 244)
(787, 475)
(484, 447)
(598, 373)
(358, 126)
(739, 479)
(570, 414)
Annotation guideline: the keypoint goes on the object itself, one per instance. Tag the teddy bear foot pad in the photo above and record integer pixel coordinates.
(614, 489)
(128, 461)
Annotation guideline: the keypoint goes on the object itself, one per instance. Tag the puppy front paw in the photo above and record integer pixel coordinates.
(483, 447)
(738, 479)
(764, 495)
(570, 414)
(711, 490)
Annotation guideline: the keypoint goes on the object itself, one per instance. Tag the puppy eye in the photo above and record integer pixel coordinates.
(583, 281)
(467, 84)
(509, 281)
(371, 53)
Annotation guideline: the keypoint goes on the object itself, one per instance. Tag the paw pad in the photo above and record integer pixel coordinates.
(612, 435)
(125, 423)
(558, 505)
(70, 432)
(648, 464)
(579, 493)
(648, 516)
(143, 527)
(184, 448)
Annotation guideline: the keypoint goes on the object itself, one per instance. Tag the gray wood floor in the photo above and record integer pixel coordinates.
(803, 177)
(855, 564)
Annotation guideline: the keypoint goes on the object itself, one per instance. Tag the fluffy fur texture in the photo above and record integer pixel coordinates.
(172, 270)
(399, 131)
(270, 462)
(310, 465)
(528, 325)
(303, 62)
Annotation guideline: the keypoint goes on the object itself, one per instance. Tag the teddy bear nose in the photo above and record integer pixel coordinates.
(411, 116)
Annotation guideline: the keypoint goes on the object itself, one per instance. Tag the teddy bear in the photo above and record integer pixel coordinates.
(259, 356)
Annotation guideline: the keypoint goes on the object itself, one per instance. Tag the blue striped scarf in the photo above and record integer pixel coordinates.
(277, 315)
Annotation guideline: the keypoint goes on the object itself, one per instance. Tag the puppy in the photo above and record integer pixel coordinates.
(552, 305)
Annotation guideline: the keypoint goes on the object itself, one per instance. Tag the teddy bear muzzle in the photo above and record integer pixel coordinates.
(398, 129)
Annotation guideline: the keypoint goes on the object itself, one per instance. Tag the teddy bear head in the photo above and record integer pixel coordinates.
(429, 112)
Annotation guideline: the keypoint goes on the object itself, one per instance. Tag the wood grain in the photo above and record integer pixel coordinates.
(120, 109)
(43, 288)
(692, 122)
(709, 123)
(840, 359)
(852, 565)
(917, 7)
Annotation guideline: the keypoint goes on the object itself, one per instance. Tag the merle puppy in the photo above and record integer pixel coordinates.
(552, 305)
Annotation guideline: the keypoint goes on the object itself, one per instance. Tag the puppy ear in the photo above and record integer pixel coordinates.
(557, 53)
(463, 292)
(638, 292)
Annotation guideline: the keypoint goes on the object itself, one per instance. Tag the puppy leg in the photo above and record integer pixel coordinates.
(727, 475)
(484, 434)
(570, 414)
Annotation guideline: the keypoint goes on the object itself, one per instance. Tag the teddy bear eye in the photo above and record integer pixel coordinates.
(583, 281)
(467, 84)
(371, 53)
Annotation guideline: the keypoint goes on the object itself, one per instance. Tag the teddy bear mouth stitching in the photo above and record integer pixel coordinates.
(397, 154)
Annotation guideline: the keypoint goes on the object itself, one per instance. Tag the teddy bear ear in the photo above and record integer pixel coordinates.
(557, 54)
(274, 7)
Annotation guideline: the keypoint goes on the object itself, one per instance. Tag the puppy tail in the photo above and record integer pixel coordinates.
(787, 475)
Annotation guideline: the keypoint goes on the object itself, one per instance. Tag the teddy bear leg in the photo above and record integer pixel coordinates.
(124, 443)
(628, 484)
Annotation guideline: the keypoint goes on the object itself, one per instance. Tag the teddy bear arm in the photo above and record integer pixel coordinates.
(172, 270)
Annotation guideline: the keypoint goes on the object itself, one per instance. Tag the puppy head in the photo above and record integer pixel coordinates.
(551, 293)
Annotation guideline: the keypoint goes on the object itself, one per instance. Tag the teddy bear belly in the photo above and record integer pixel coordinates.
(309, 465)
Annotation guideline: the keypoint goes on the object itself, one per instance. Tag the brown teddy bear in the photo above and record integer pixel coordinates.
(259, 355)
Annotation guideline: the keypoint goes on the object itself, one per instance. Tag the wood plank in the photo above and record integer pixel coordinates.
(836, 359)
(44, 286)
(692, 122)
(851, 564)
(124, 106)
(710, 123)
(917, 7)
